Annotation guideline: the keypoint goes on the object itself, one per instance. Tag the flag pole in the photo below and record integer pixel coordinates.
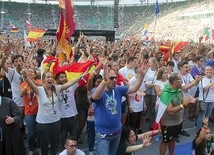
(157, 10)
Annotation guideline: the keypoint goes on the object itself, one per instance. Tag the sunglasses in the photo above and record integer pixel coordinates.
(112, 77)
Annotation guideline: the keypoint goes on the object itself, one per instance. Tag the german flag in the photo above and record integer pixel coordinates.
(35, 34)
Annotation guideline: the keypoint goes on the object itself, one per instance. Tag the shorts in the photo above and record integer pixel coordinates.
(169, 132)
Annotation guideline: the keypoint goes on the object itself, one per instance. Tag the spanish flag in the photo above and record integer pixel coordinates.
(72, 71)
(14, 29)
(35, 34)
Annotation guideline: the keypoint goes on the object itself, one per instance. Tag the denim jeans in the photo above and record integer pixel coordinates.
(49, 132)
(31, 129)
(107, 144)
(91, 135)
(208, 107)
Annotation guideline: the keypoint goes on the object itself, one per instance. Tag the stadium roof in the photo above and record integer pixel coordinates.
(98, 2)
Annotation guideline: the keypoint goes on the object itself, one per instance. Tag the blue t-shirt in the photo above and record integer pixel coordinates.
(108, 110)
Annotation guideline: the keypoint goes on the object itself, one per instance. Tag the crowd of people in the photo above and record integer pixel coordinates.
(120, 94)
(130, 18)
(127, 84)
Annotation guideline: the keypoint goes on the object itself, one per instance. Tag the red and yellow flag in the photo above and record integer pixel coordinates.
(14, 29)
(67, 6)
(72, 71)
(63, 43)
(66, 27)
(35, 34)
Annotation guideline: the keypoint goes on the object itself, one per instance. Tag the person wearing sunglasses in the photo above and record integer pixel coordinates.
(107, 104)
(71, 147)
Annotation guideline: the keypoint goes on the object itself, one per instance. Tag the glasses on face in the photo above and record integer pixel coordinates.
(72, 146)
(179, 80)
(201, 60)
(112, 77)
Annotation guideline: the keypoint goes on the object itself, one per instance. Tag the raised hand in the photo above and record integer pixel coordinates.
(188, 99)
(198, 78)
(143, 70)
(24, 74)
(146, 141)
(205, 120)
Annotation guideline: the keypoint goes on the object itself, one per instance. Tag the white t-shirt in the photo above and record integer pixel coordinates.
(161, 84)
(187, 79)
(127, 73)
(15, 80)
(210, 96)
(48, 112)
(150, 76)
(137, 98)
(77, 152)
(67, 104)
(175, 68)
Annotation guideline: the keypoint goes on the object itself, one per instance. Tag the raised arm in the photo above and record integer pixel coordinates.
(78, 44)
(72, 82)
(140, 77)
(101, 88)
(202, 133)
(3, 63)
(133, 148)
(192, 83)
(30, 82)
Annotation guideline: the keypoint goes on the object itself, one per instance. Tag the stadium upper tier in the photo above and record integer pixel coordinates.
(131, 18)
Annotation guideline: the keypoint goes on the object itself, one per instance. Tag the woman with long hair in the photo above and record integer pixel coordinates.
(31, 107)
(161, 80)
(128, 142)
(48, 116)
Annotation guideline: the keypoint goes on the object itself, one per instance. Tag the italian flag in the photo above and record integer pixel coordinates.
(209, 33)
(163, 101)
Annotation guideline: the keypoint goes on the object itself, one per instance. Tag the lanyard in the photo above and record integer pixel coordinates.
(113, 94)
(199, 70)
(31, 94)
(184, 78)
(51, 98)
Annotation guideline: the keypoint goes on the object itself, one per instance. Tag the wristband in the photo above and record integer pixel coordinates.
(181, 105)
(104, 81)
(94, 72)
(141, 145)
